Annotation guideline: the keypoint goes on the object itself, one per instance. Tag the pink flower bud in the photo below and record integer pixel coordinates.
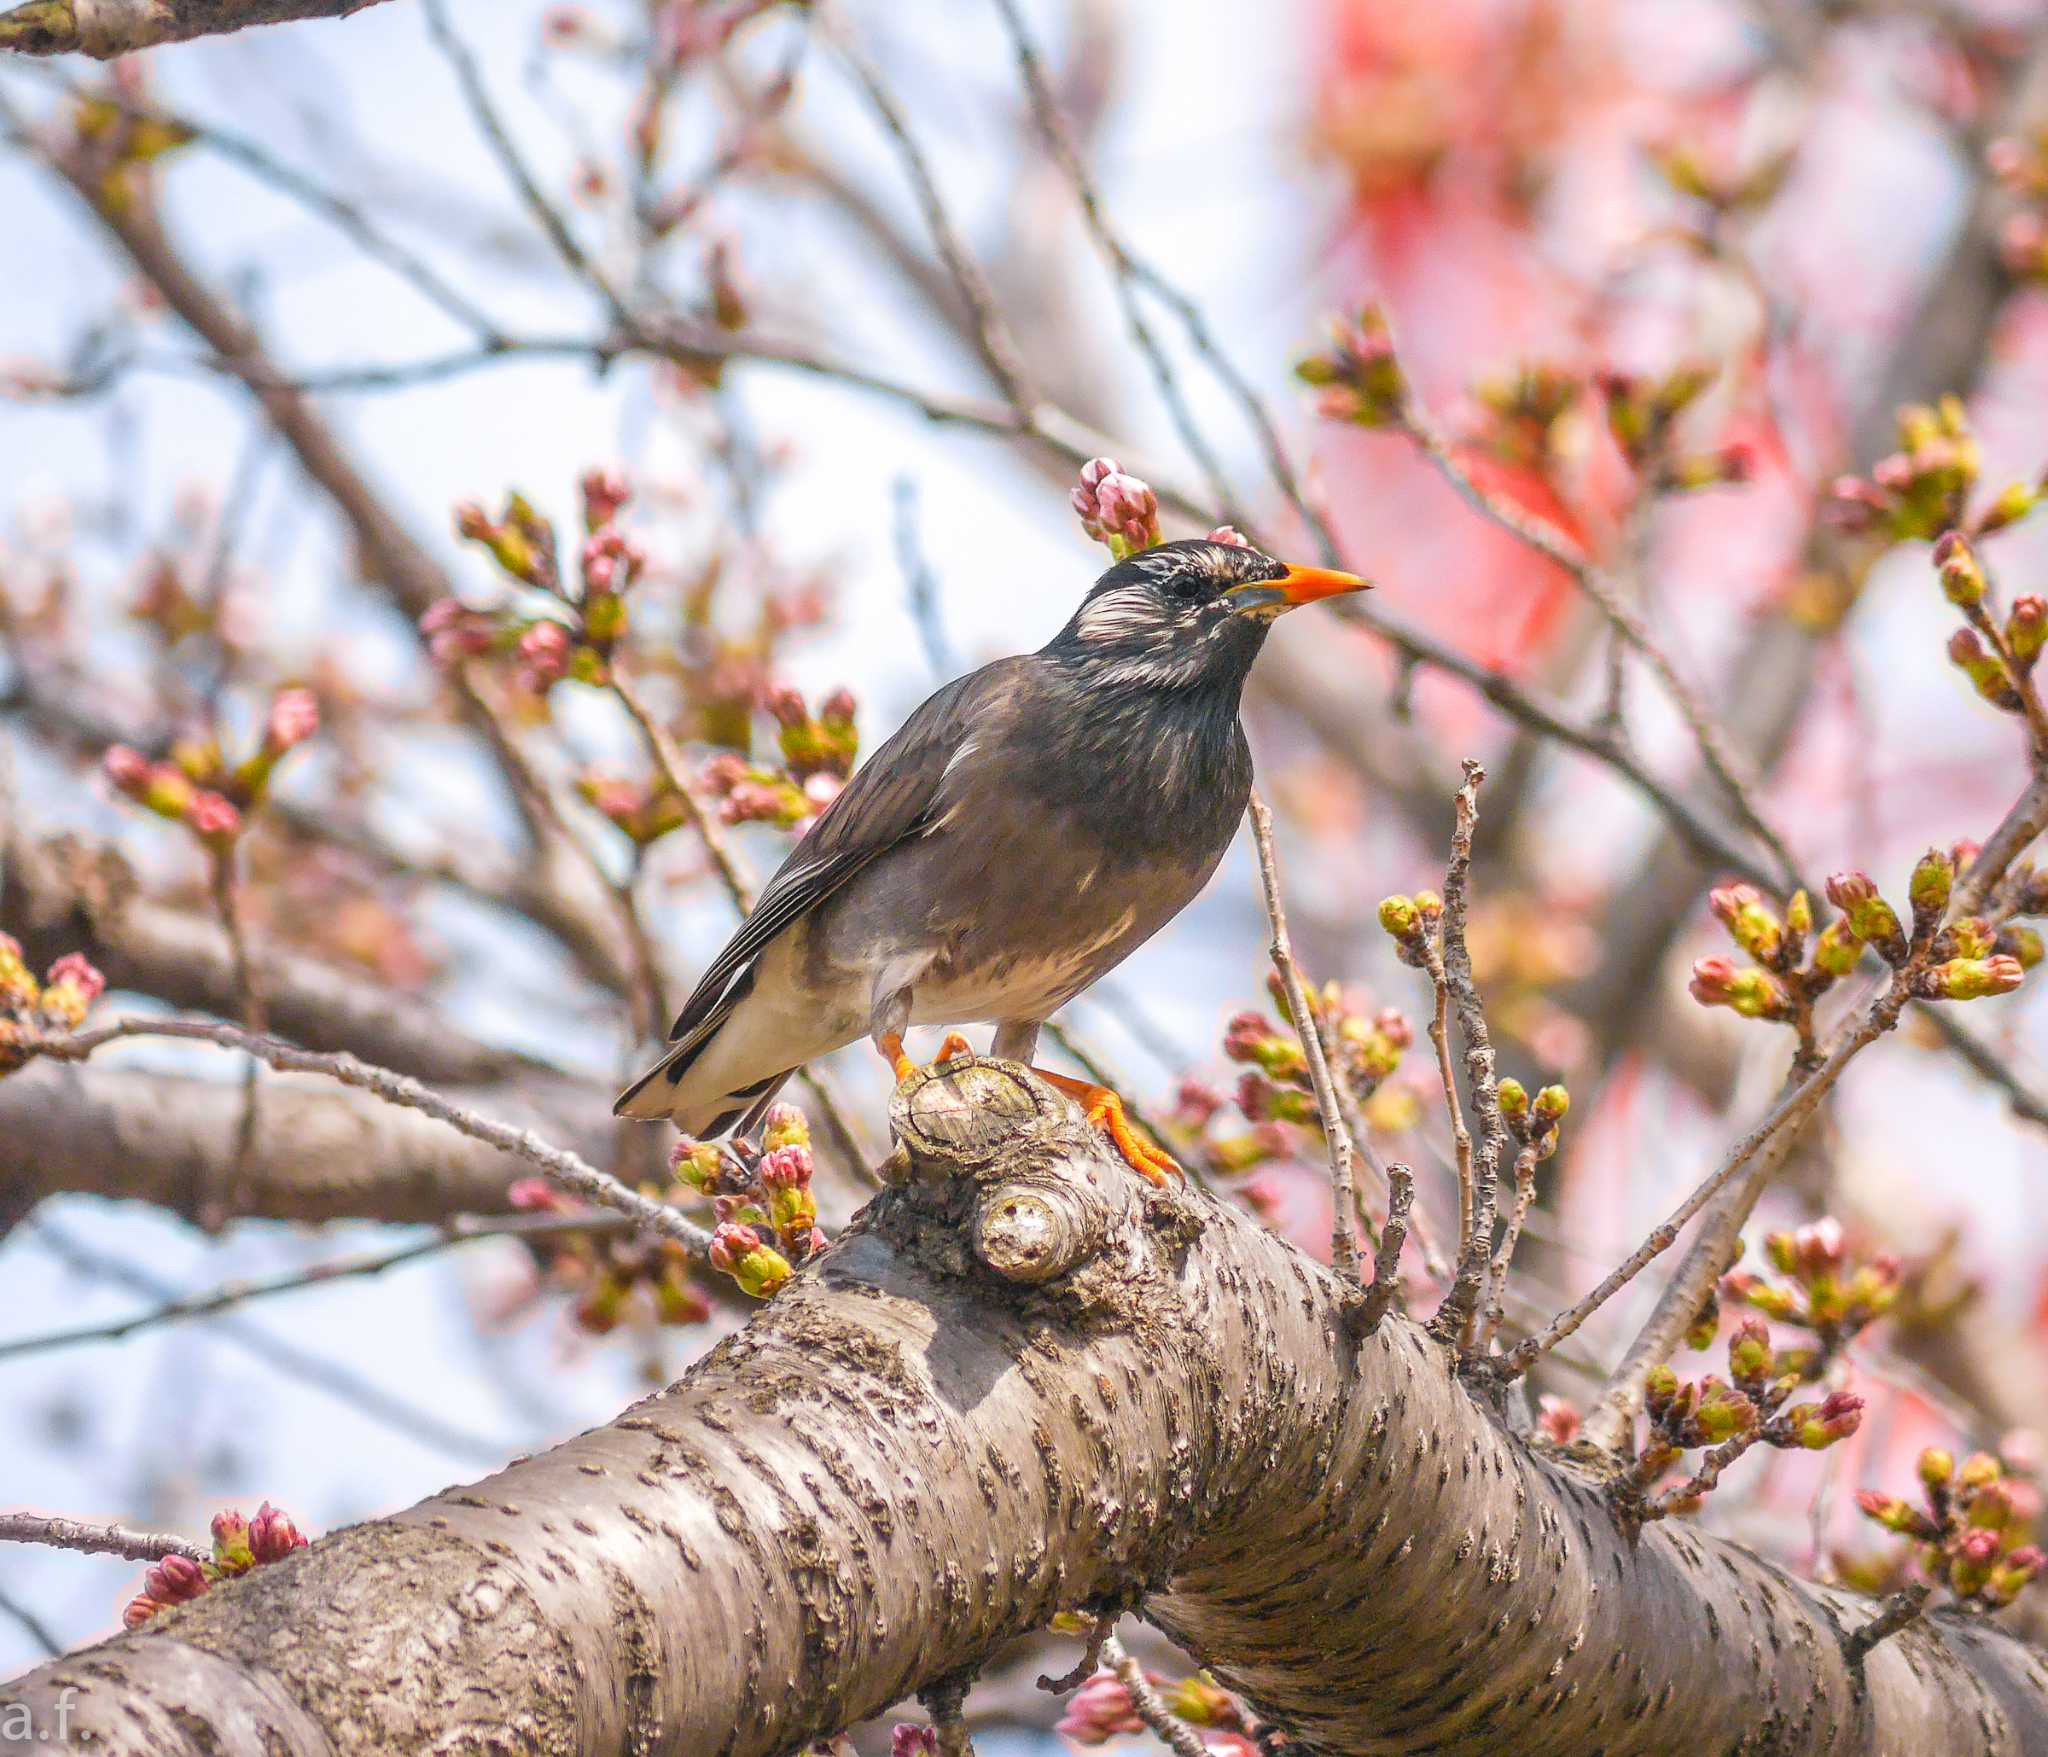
(272, 1535)
(1099, 1711)
(839, 705)
(787, 1168)
(604, 493)
(213, 818)
(471, 521)
(294, 718)
(127, 769)
(1230, 536)
(175, 1580)
(786, 705)
(73, 971)
(1557, 1420)
(914, 1741)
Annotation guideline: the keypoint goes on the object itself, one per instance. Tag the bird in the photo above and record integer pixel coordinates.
(1023, 832)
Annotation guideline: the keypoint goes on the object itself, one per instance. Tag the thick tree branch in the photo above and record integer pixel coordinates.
(1023, 1381)
(319, 1151)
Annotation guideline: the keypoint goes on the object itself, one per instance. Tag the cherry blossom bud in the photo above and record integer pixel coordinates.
(1723, 1413)
(784, 1126)
(1750, 923)
(1196, 1102)
(175, 1580)
(1969, 979)
(1230, 536)
(127, 769)
(214, 820)
(1399, 917)
(1890, 1512)
(1099, 1711)
(1749, 1351)
(1933, 878)
(1962, 575)
(536, 1195)
(695, 1163)
(2026, 629)
(1986, 671)
(1557, 1420)
(738, 1251)
(914, 1741)
(1838, 949)
(1840, 1414)
(273, 1535)
(1871, 918)
(1750, 993)
(2022, 944)
(1199, 1702)
(69, 990)
(231, 1553)
(1936, 1466)
(1513, 1097)
(605, 491)
(294, 718)
(1979, 1470)
(544, 652)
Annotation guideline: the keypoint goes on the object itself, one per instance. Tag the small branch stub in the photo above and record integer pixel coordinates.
(1032, 1235)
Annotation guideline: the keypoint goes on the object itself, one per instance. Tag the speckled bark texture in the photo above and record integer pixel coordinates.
(106, 28)
(1025, 1381)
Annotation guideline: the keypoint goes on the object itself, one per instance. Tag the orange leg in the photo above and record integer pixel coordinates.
(1103, 1106)
(890, 1043)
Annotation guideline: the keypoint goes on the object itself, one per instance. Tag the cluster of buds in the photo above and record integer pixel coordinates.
(2020, 163)
(1641, 410)
(1822, 1291)
(30, 1009)
(1116, 510)
(821, 744)
(605, 1276)
(1919, 491)
(750, 793)
(1998, 659)
(1751, 1407)
(1692, 171)
(1412, 923)
(198, 787)
(1359, 379)
(1275, 1092)
(1102, 1710)
(1974, 1531)
(239, 1544)
(1524, 412)
(643, 811)
(574, 636)
(767, 1217)
(1972, 959)
(1532, 1123)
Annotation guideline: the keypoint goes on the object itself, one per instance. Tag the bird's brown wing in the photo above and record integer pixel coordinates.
(890, 797)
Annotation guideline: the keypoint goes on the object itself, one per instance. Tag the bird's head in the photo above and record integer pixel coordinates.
(1185, 614)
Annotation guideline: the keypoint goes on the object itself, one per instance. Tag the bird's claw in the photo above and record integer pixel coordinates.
(1105, 1109)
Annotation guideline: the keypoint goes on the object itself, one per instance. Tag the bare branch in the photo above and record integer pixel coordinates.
(97, 1540)
(105, 29)
(1308, 1026)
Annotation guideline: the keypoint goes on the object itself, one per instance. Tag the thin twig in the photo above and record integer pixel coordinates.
(1386, 1257)
(1791, 1111)
(98, 1540)
(1899, 1609)
(1145, 1702)
(1453, 1319)
(38, 1631)
(985, 326)
(1712, 741)
(567, 1169)
(1099, 1632)
(460, 1229)
(1503, 1259)
(1308, 1026)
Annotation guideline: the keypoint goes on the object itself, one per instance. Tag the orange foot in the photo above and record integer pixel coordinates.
(1104, 1107)
(891, 1046)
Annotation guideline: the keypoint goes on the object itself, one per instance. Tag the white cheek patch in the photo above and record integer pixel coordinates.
(1114, 614)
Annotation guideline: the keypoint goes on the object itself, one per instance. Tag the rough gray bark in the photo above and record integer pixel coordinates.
(1024, 1381)
(317, 1151)
(106, 28)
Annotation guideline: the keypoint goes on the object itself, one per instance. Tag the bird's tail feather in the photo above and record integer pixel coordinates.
(657, 1095)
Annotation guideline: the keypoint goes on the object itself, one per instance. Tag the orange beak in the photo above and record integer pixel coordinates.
(1304, 585)
(1296, 587)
